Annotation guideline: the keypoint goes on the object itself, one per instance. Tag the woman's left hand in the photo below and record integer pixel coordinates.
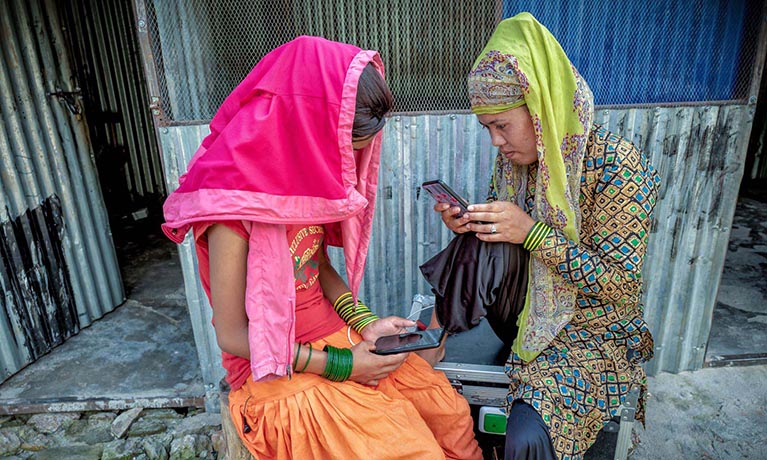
(385, 326)
(502, 221)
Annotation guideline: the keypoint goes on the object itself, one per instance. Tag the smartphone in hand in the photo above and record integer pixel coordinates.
(444, 194)
(409, 341)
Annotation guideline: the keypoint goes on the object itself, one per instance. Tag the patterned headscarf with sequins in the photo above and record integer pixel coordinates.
(523, 64)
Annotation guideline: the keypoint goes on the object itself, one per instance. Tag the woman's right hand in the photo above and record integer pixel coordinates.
(369, 367)
(455, 224)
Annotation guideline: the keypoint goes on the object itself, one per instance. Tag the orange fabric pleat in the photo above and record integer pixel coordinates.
(413, 414)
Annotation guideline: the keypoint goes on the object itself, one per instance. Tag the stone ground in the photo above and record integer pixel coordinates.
(134, 434)
(712, 413)
(739, 325)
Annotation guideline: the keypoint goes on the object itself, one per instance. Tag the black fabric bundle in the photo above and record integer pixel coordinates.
(472, 279)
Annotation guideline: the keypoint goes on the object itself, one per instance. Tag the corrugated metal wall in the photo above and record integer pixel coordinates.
(178, 145)
(111, 78)
(185, 70)
(698, 151)
(757, 150)
(50, 199)
(759, 168)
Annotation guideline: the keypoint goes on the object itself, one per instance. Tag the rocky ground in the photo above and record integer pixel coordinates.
(137, 434)
(713, 413)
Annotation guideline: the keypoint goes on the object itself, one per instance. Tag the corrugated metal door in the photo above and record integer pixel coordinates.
(58, 268)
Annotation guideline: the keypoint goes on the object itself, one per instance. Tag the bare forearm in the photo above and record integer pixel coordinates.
(305, 360)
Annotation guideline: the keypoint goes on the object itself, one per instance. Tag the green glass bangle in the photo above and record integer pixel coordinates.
(339, 365)
(360, 325)
(295, 359)
(343, 301)
(308, 358)
(345, 369)
(330, 364)
(535, 237)
(348, 309)
(357, 317)
(342, 298)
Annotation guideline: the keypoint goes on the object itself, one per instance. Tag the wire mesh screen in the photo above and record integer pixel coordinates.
(204, 48)
(630, 52)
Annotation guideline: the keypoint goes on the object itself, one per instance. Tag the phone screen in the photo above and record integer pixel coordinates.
(409, 341)
(444, 194)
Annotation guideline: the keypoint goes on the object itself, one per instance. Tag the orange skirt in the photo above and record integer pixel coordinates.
(412, 414)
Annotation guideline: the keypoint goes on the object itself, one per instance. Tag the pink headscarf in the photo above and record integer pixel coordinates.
(280, 152)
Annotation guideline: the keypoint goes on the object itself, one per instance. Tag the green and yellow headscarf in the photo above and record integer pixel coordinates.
(523, 64)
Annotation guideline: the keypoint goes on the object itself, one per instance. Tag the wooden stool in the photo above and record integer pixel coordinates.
(234, 449)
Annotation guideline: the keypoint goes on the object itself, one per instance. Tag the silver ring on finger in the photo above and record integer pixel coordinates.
(492, 228)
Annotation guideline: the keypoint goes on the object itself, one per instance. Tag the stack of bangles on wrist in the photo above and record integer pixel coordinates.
(536, 236)
(339, 365)
(357, 317)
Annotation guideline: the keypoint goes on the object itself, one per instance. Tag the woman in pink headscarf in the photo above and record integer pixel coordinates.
(290, 167)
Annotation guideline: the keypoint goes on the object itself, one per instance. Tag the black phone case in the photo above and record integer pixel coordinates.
(415, 346)
(442, 192)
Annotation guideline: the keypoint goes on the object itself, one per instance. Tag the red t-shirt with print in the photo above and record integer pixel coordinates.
(315, 317)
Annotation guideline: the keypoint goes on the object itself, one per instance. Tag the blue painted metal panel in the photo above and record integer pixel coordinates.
(654, 52)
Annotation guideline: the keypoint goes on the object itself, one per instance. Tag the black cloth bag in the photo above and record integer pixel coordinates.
(472, 279)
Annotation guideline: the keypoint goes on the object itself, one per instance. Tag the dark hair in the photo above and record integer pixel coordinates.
(374, 101)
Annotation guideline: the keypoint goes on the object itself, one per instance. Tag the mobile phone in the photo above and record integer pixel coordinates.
(444, 194)
(409, 341)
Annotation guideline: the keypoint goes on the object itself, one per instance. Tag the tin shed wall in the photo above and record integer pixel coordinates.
(699, 152)
(178, 145)
(105, 46)
(759, 165)
(59, 271)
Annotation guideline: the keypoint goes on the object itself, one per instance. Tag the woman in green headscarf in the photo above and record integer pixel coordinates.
(580, 200)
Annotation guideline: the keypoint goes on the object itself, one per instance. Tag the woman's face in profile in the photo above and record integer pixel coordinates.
(513, 133)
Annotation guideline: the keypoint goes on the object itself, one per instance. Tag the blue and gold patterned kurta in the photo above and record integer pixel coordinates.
(580, 380)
